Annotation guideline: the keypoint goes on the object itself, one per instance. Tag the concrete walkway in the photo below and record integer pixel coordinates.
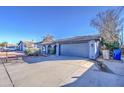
(60, 71)
(4, 79)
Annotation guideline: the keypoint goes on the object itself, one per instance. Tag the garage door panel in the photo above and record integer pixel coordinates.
(81, 50)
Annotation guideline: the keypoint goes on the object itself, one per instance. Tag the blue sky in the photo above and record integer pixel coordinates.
(32, 23)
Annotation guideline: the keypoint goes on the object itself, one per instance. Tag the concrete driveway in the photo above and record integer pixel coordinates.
(43, 71)
(60, 71)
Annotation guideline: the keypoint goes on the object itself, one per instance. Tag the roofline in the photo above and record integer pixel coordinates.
(75, 39)
(79, 36)
(38, 42)
(20, 42)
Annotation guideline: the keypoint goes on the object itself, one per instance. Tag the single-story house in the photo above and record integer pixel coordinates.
(80, 46)
(22, 45)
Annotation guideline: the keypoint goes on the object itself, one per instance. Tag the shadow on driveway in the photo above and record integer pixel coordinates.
(97, 77)
(37, 59)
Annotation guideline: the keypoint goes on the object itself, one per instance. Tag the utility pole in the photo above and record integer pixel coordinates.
(122, 36)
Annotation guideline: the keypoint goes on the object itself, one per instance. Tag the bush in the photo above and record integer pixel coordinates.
(109, 45)
(32, 52)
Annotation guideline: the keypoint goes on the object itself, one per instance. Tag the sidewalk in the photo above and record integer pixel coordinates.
(116, 66)
(4, 79)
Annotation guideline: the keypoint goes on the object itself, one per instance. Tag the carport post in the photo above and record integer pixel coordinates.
(57, 49)
(46, 49)
(93, 49)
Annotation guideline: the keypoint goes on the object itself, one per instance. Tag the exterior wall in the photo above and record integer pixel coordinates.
(57, 49)
(46, 49)
(38, 45)
(21, 46)
(93, 49)
(35, 46)
(98, 48)
(89, 49)
(43, 49)
(80, 50)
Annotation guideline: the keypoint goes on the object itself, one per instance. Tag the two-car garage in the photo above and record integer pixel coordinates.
(80, 49)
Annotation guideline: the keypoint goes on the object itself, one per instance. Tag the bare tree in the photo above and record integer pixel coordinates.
(48, 38)
(109, 24)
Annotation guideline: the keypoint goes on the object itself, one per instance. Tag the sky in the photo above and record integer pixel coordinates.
(34, 22)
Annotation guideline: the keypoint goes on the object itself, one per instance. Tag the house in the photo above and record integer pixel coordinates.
(22, 45)
(80, 46)
(37, 44)
(10, 47)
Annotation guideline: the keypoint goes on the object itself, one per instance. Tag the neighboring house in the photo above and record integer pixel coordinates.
(80, 46)
(25, 44)
(37, 44)
(11, 47)
(1, 49)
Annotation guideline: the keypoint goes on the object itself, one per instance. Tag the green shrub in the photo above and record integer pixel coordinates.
(109, 45)
(32, 52)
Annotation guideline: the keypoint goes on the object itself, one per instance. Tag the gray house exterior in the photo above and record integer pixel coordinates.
(80, 46)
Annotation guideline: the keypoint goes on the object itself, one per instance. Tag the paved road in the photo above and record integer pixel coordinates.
(60, 71)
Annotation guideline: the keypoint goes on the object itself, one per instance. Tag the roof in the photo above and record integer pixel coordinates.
(79, 39)
(37, 42)
(76, 39)
(27, 43)
(46, 43)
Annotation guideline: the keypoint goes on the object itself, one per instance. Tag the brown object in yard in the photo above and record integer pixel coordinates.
(10, 56)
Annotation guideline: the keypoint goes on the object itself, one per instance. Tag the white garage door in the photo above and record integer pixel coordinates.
(81, 50)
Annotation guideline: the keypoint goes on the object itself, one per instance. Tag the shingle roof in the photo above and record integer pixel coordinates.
(79, 39)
